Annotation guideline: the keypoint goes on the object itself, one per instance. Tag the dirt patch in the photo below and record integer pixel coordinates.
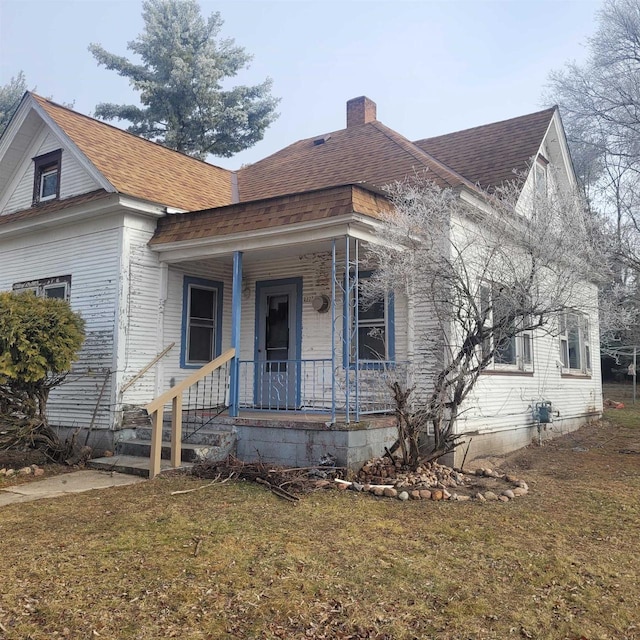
(25, 458)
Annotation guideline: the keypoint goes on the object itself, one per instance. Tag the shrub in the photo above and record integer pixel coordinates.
(39, 339)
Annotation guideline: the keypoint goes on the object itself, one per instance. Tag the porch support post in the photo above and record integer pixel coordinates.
(346, 332)
(356, 332)
(236, 306)
(333, 332)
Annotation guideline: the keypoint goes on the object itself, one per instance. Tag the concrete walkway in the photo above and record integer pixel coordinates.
(56, 486)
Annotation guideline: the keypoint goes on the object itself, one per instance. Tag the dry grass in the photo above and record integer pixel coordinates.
(559, 563)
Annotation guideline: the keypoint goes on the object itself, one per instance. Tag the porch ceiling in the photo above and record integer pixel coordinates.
(276, 216)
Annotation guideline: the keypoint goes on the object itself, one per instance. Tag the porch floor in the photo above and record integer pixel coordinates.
(301, 420)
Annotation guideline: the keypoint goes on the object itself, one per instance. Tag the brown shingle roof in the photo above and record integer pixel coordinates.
(274, 212)
(53, 205)
(489, 154)
(141, 168)
(370, 153)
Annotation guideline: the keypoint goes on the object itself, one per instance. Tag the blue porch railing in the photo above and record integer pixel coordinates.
(313, 385)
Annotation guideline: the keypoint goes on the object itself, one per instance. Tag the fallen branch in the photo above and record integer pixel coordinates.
(281, 493)
(204, 486)
(373, 486)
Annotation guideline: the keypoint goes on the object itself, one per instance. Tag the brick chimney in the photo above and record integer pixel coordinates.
(360, 111)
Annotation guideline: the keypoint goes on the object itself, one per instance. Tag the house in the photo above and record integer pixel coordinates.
(175, 263)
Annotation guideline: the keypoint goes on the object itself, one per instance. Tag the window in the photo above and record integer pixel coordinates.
(46, 183)
(513, 345)
(201, 321)
(540, 176)
(58, 287)
(375, 326)
(573, 334)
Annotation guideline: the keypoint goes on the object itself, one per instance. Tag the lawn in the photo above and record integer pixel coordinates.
(234, 561)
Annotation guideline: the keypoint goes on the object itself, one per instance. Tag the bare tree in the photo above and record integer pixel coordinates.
(488, 272)
(600, 104)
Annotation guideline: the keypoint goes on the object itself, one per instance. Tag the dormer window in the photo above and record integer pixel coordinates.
(46, 185)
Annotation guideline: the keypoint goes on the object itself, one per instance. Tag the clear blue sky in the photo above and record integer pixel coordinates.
(432, 67)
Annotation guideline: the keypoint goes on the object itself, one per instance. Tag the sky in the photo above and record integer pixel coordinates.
(431, 66)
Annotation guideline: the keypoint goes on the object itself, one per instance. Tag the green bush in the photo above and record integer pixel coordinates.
(39, 339)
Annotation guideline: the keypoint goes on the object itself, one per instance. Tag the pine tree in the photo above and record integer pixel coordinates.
(10, 95)
(184, 67)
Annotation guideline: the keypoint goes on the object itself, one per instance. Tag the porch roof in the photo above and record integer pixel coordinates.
(282, 211)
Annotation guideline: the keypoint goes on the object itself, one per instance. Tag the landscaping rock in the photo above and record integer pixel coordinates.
(414, 495)
(3, 472)
(10, 472)
(510, 478)
(357, 487)
(377, 491)
(403, 495)
(489, 495)
(38, 471)
(463, 498)
(503, 498)
(509, 494)
(390, 493)
(25, 471)
(425, 494)
(519, 491)
(480, 497)
(523, 485)
(436, 494)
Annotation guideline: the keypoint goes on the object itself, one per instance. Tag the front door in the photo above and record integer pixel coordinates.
(278, 344)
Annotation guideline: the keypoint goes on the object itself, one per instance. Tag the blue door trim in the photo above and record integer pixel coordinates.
(265, 284)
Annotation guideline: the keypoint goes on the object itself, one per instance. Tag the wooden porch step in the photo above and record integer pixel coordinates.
(141, 448)
(133, 465)
(212, 436)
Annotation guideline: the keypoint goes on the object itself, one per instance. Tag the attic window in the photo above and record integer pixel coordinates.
(541, 176)
(46, 180)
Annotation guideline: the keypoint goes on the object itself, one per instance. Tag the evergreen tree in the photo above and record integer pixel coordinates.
(184, 67)
(10, 95)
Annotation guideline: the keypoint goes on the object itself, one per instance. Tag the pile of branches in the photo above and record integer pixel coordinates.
(23, 424)
(286, 483)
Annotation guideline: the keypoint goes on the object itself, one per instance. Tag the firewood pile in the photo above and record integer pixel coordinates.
(387, 471)
(283, 482)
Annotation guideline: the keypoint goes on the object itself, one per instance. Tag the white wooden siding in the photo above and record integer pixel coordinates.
(503, 401)
(74, 179)
(89, 253)
(138, 339)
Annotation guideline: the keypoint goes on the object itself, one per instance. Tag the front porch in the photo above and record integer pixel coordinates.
(304, 351)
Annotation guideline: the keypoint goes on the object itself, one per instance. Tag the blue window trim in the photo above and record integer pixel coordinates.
(264, 284)
(209, 284)
(390, 326)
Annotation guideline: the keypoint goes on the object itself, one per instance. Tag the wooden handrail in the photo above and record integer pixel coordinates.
(144, 370)
(174, 395)
(170, 394)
